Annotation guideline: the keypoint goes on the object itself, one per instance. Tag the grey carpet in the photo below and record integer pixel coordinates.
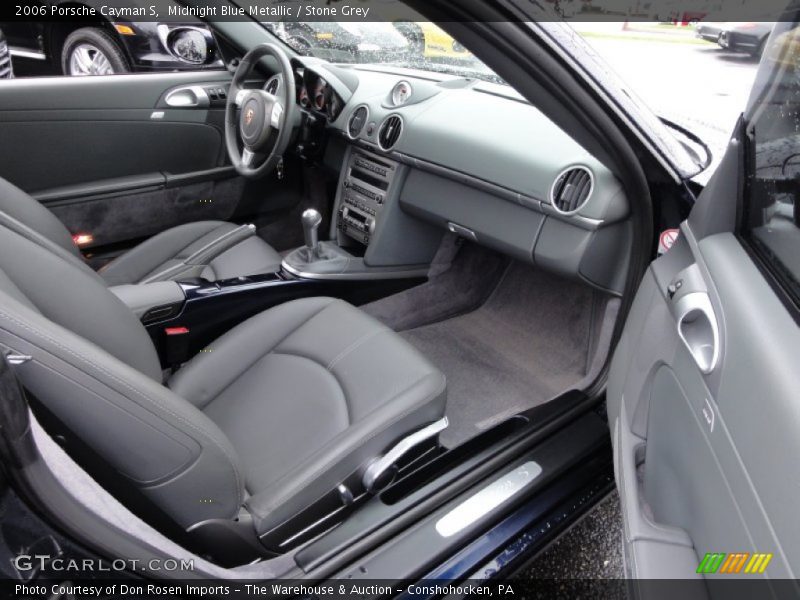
(527, 343)
(461, 278)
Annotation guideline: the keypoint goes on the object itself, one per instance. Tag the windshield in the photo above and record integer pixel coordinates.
(643, 62)
(417, 45)
(696, 74)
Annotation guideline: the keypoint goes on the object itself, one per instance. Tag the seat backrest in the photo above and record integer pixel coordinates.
(28, 211)
(96, 370)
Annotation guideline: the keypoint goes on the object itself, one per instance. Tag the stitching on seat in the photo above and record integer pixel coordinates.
(207, 434)
(236, 377)
(352, 347)
(321, 366)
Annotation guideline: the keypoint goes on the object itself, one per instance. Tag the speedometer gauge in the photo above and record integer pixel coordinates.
(401, 93)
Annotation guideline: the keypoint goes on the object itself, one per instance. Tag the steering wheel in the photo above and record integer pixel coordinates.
(258, 125)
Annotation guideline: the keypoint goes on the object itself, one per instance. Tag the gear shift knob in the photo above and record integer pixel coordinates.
(311, 222)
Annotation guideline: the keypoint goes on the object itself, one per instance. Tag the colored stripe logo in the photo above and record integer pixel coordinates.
(734, 563)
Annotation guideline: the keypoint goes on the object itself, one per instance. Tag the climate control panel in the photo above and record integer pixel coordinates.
(367, 182)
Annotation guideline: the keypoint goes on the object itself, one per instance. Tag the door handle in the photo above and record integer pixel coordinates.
(698, 329)
(192, 96)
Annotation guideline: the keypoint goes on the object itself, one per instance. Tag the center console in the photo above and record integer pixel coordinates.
(370, 236)
(373, 249)
(367, 183)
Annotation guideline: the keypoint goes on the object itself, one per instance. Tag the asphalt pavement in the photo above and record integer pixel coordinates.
(590, 550)
(694, 83)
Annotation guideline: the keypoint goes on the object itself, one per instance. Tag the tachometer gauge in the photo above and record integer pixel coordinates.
(401, 93)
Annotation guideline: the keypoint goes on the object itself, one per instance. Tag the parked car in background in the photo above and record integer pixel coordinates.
(107, 47)
(747, 37)
(6, 70)
(431, 41)
(710, 31)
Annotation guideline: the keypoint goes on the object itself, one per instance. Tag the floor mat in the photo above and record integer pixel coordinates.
(528, 342)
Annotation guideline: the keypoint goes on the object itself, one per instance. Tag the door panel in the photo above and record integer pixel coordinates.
(109, 157)
(712, 457)
(39, 154)
(119, 217)
(703, 390)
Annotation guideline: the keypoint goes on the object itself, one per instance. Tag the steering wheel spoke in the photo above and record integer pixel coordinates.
(248, 158)
(276, 118)
(239, 98)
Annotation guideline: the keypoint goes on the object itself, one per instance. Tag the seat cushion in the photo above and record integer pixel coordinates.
(308, 393)
(251, 256)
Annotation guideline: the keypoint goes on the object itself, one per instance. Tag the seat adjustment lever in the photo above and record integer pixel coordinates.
(376, 477)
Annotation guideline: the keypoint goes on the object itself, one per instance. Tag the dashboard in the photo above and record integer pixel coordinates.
(466, 156)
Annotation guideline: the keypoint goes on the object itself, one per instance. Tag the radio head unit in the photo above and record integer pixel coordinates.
(367, 183)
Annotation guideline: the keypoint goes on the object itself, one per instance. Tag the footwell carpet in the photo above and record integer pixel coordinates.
(527, 343)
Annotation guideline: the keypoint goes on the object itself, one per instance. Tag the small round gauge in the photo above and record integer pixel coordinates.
(401, 93)
(319, 101)
(334, 106)
(302, 98)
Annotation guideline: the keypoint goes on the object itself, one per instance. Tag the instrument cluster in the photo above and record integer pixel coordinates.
(313, 93)
(316, 95)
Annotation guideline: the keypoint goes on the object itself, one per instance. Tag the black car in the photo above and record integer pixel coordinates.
(6, 71)
(107, 46)
(747, 37)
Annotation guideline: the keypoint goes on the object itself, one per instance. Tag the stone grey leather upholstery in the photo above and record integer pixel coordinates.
(157, 259)
(166, 252)
(307, 392)
(274, 415)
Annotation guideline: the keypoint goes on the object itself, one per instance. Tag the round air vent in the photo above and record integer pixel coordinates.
(357, 121)
(571, 190)
(390, 131)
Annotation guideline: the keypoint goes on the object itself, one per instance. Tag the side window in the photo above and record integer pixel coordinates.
(41, 48)
(771, 215)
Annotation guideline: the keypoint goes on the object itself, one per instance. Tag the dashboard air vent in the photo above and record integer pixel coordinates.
(571, 190)
(357, 121)
(390, 132)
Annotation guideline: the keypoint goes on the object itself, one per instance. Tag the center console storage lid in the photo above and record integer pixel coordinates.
(143, 297)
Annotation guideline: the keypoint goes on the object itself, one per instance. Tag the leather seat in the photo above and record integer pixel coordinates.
(275, 414)
(308, 392)
(211, 249)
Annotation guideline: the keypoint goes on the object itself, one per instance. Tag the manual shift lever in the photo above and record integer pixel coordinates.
(311, 222)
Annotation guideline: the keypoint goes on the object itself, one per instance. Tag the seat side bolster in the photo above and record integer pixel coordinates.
(420, 404)
(167, 448)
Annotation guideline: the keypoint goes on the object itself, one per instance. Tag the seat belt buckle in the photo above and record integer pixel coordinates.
(176, 346)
